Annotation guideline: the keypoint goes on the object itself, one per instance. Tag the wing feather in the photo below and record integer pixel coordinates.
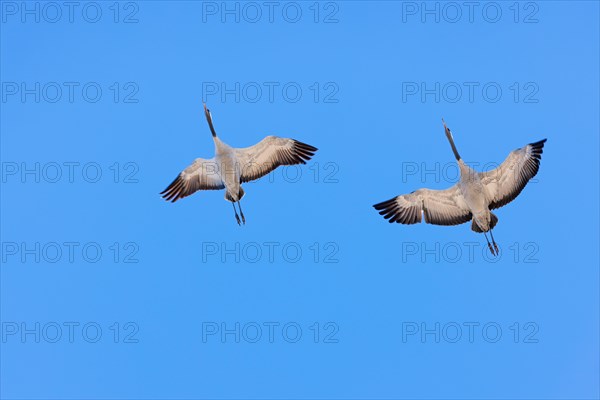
(271, 152)
(439, 207)
(201, 175)
(505, 183)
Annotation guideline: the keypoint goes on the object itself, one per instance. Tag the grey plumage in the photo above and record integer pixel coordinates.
(230, 167)
(472, 198)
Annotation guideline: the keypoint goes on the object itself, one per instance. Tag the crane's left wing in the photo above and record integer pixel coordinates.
(440, 207)
(201, 175)
(271, 152)
(503, 184)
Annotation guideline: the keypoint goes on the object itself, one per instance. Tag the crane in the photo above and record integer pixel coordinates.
(472, 198)
(230, 167)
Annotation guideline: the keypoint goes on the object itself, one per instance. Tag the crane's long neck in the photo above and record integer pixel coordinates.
(454, 148)
(451, 140)
(220, 147)
(210, 124)
(209, 119)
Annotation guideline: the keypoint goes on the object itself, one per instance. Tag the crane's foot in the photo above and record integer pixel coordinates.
(494, 241)
(241, 212)
(237, 217)
(491, 249)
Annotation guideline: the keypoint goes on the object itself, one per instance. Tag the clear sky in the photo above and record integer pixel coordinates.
(107, 291)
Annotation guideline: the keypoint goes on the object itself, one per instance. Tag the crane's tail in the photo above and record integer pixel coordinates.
(493, 222)
(230, 198)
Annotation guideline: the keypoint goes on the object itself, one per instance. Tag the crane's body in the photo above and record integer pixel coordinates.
(230, 167)
(472, 198)
(473, 192)
(230, 171)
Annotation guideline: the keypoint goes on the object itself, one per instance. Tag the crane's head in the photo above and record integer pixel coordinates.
(209, 119)
(448, 133)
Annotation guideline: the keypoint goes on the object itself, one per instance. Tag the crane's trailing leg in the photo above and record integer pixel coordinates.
(237, 217)
(494, 242)
(242, 213)
(489, 244)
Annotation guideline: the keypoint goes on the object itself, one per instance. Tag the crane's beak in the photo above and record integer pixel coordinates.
(448, 133)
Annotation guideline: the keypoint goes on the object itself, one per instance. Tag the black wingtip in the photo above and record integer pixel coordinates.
(379, 206)
(304, 152)
(384, 204)
(305, 146)
(537, 149)
(173, 192)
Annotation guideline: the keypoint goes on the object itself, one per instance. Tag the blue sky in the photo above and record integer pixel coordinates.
(109, 292)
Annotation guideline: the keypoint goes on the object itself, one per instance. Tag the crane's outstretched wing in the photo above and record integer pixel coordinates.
(503, 184)
(271, 152)
(440, 207)
(201, 175)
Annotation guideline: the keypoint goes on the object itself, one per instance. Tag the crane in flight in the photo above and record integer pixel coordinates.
(472, 198)
(230, 167)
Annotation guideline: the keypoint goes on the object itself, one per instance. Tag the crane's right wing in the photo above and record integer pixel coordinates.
(505, 183)
(201, 175)
(440, 207)
(271, 152)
